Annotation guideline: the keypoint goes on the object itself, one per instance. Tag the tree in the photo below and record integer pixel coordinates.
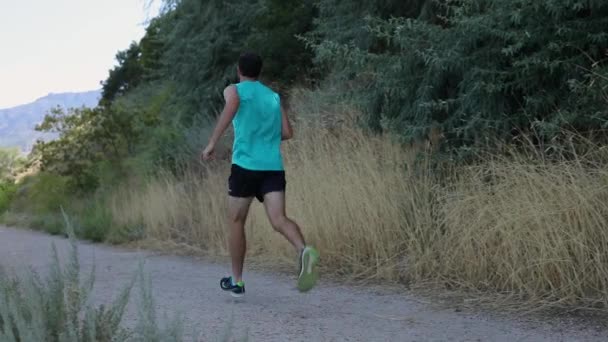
(125, 76)
(275, 33)
(87, 136)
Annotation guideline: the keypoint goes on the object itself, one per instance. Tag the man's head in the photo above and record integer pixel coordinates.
(250, 65)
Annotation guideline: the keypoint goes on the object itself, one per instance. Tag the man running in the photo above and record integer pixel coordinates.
(257, 169)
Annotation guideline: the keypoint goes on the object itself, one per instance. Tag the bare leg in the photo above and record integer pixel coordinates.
(238, 208)
(274, 203)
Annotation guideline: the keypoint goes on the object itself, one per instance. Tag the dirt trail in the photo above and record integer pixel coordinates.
(274, 310)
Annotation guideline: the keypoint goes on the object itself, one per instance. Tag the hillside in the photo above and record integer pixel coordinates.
(17, 123)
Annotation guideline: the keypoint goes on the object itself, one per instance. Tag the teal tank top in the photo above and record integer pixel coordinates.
(257, 128)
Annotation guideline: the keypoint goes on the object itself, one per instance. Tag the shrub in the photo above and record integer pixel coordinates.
(57, 308)
(94, 221)
(477, 70)
(7, 191)
(43, 193)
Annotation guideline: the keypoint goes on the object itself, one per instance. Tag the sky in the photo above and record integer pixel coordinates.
(53, 46)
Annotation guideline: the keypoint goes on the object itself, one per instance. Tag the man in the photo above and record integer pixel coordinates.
(257, 169)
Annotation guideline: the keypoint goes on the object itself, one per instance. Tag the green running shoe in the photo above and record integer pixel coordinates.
(308, 274)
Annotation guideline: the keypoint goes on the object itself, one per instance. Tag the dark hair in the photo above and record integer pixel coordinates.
(250, 64)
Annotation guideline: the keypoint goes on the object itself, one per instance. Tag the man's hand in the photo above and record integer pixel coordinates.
(208, 153)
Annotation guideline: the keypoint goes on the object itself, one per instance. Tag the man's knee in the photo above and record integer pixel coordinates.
(278, 222)
(238, 208)
(237, 217)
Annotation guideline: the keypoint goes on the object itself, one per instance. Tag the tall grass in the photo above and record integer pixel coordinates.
(524, 225)
(335, 177)
(513, 223)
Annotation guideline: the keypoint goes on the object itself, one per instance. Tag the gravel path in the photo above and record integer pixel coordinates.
(274, 310)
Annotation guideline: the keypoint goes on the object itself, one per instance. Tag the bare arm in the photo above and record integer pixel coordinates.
(230, 108)
(286, 130)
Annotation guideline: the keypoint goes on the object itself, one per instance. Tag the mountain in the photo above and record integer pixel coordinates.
(17, 123)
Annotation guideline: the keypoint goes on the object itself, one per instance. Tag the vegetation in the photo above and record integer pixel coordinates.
(7, 191)
(452, 142)
(478, 70)
(519, 224)
(10, 162)
(59, 308)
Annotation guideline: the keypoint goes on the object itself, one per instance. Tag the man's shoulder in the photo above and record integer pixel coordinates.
(231, 95)
(274, 95)
(268, 89)
(258, 88)
(231, 90)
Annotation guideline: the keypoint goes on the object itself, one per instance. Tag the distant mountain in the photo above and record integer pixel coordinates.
(17, 124)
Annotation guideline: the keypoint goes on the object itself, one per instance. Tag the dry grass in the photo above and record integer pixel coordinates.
(516, 225)
(347, 194)
(526, 227)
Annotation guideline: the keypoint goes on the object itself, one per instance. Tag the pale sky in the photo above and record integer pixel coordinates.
(63, 45)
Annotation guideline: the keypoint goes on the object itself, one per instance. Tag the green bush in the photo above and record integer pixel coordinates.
(40, 198)
(476, 70)
(42, 193)
(7, 191)
(36, 202)
(93, 220)
(95, 224)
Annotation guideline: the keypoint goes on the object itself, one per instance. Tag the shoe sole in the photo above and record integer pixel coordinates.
(308, 273)
(235, 295)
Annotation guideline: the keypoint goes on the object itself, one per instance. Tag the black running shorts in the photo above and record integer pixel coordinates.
(249, 183)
